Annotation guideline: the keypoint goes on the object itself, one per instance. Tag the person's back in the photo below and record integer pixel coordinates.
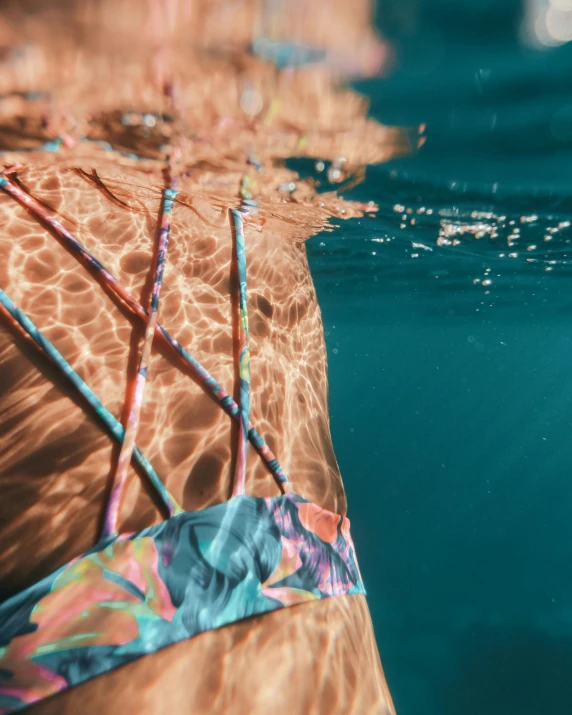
(57, 460)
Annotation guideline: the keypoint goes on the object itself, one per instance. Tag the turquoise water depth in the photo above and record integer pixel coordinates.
(448, 322)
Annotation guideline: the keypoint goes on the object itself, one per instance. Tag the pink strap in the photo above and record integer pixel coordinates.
(132, 426)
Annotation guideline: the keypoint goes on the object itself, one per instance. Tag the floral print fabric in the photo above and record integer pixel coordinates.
(134, 594)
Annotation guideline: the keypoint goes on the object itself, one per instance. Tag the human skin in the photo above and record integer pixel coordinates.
(55, 460)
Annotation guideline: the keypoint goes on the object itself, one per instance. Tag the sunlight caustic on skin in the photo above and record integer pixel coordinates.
(55, 461)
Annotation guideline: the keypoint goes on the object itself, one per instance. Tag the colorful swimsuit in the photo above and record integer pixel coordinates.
(133, 594)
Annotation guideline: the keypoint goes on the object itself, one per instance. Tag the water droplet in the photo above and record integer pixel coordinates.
(334, 175)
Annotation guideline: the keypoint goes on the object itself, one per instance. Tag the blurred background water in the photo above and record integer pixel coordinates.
(448, 327)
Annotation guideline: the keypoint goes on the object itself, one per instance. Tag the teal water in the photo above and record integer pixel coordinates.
(450, 367)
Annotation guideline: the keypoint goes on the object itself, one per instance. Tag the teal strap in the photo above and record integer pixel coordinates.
(113, 426)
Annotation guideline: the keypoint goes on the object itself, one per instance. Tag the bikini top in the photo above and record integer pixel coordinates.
(134, 593)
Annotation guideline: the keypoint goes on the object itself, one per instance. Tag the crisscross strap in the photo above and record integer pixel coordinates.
(112, 425)
(105, 276)
(244, 355)
(132, 426)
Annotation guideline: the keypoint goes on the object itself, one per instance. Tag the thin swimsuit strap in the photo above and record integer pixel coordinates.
(112, 425)
(110, 522)
(128, 445)
(244, 357)
(127, 437)
(104, 276)
(132, 594)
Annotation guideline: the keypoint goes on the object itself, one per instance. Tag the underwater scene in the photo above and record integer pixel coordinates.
(285, 357)
(447, 324)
